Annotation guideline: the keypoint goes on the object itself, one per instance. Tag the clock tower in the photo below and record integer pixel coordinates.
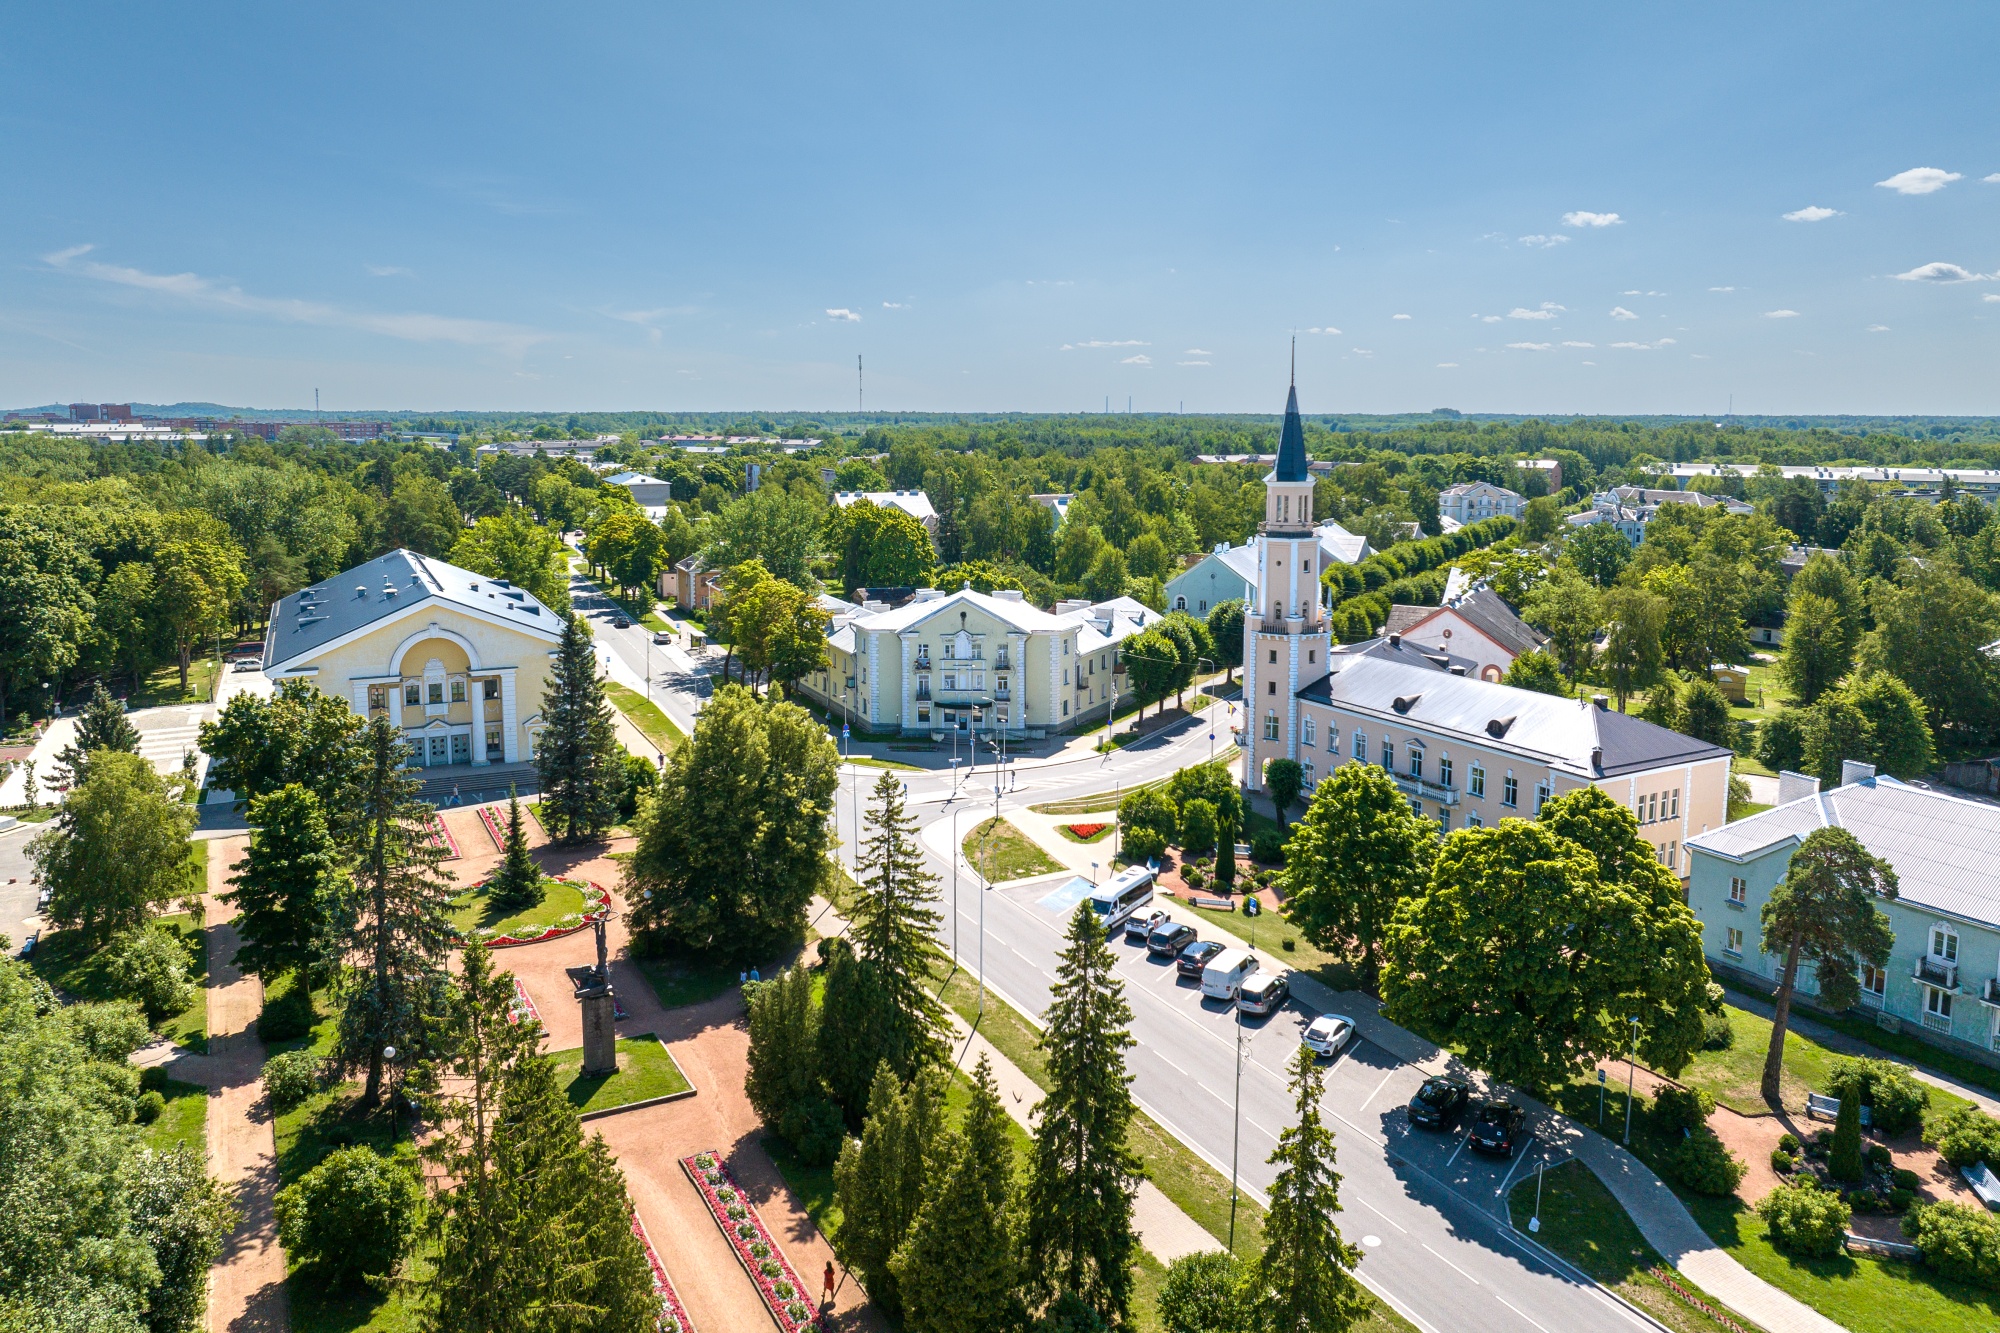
(1285, 639)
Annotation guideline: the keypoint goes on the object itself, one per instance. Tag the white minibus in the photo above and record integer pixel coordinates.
(1118, 898)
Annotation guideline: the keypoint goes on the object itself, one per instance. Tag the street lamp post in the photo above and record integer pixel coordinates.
(1253, 909)
(1631, 1069)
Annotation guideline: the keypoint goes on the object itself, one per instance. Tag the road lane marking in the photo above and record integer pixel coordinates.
(1361, 1130)
(1379, 1213)
(1378, 1087)
(1510, 1305)
(1462, 1273)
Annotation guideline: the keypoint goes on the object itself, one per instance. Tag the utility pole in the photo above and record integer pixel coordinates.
(860, 388)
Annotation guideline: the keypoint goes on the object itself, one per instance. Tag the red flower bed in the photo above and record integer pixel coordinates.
(523, 1009)
(755, 1249)
(1086, 831)
(437, 835)
(493, 828)
(591, 912)
(673, 1315)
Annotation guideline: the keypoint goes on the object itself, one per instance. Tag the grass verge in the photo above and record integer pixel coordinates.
(1732, 1076)
(474, 910)
(163, 685)
(184, 1121)
(646, 1069)
(64, 961)
(1271, 933)
(1002, 852)
(1097, 803)
(646, 715)
(1583, 1223)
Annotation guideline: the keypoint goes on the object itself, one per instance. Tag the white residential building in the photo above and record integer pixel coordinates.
(1471, 501)
(914, 503)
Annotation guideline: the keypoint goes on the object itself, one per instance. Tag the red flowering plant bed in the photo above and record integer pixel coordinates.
(597, 903)
(777, 1281)
(493, 827)
(1085, 832)
(673, 1315)
(438, 836)
(523, 1010)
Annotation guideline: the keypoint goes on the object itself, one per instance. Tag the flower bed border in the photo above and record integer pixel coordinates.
(663, 1286)
(438, 835)
(493, 829)
(523, 1009)
(603, 908)
(740, 1245)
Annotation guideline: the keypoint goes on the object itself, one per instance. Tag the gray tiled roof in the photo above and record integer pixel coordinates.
(1566, 734)
(389, 584)
(1945, 849)
(1484, 609)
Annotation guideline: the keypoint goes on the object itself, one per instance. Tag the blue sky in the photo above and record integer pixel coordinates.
(1527, 208)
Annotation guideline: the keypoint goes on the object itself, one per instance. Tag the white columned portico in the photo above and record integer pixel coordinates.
(510, 741)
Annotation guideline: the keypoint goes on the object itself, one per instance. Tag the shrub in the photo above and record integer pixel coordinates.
(150, 965)
(1879, 1158)
(1199, 1293)
(1957, 1241)
(1804, 1219)
(1789, 1142)
(1198, 827)
(1268, 847)
(1964, 1136)
(1895, 1098)
(1705, 1166)
(1289, 944)
(291, 1077)
(147, 1109)
(1193, 877)
(1142, 845)
(1906, 1180)
(1683, 1108)
(288, 1011)
(1781, 1161)
(351, 1216)
(1716, 1032)
(1901, 1199)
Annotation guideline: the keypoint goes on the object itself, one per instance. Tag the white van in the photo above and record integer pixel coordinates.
(1118, 898)
(1224, 975)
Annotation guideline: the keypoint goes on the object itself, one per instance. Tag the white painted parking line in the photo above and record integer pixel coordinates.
(1378, 1087)
(1467, 1276)
(1459, 1149)
(1519, 1159)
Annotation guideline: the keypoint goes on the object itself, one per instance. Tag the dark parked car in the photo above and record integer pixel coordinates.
(1439, 1104)
(1497, 1127)
(1169, 938)
(1194, 958)
(1138, 929)
(621, 622)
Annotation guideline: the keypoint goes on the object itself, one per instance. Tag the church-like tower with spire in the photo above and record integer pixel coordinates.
(1285, 640)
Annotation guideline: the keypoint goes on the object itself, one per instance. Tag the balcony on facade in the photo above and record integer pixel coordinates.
(1000, 662)
(1425, 790)
(1989, 991)
(1002, 694)
(1270, 624)
(1936, 972)
(923, 659)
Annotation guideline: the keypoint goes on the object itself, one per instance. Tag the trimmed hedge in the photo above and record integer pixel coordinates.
(1408, 573)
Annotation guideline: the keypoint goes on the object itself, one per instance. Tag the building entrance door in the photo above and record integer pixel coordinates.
(440, 752)
(461, 749)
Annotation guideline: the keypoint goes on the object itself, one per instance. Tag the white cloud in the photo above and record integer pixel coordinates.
(1781, 314)
(1634, 347)
(1582, 219)
(1447, 365)
(1522, 312)
(1939, 271)
(1531, 347)
(1814, 213)
(1636, 292)
(1666, 342)
(1487, 319)
(1722, 289)
(1990, 297)
(207, 292)
(1919, 180)
(1197, 351)
(1100, 342)
(1399, 317)
(1577, 344)
(1140, 360)
(843, 315)
(1620, 312)
(1328, 329)
(1878, 328)
(894, 305)
(1994, 179)
(1191, 363)
(389, 271)
(1545, 242)
(1051, 282)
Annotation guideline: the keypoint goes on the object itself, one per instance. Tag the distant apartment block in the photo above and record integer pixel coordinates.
(1472, 501)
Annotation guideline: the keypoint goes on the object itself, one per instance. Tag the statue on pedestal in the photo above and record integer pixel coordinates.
(600, 1008)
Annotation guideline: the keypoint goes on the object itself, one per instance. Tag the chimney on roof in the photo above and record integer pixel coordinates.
(1853, 771)
(1458, 671)
(1596, 758)
(1795, 786)
(1395, 641)
(1603, 702)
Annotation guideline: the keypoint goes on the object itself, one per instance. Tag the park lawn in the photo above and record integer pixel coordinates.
(66, 963)
(473, 910)
(1861, 1293)
(1745, 809)
(184, 1121)
(41, 814)
(1097, 803)
(678, 980)
(646, 1070)
(647, 716)
(1731, 1076)
(163, 685)
(870, 761)
(1583, 1222)
(1001, 852)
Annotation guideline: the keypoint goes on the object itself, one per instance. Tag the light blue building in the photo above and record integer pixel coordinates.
(1940, 980)
(1229, 573)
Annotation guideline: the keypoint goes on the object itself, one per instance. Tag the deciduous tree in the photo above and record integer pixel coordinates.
(510, 545)
(45, 603)
(1818, 648)
(1929, 632)
(1284, 779)
(299, 735)
(1357, 853)
(118, 850)
(1823, 912)
(1632, 657)
(1568, 609)
(1225, 627)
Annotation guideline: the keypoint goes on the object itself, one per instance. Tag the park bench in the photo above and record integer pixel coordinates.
(1819, 1104)
(1983, 1184)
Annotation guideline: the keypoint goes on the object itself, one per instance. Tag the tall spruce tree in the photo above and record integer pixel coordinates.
(292, 894)
(880, 1177)
(396, 982)
(577, 755)
(958, 1268)
(1079, 1241)
(517, 880)
(102, 725)
(894, 932)
(1304, 1282)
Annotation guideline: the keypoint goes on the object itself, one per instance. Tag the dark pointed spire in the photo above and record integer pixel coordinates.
(1292, 443)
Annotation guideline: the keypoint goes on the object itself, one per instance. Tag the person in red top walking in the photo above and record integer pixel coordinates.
(826, 1301)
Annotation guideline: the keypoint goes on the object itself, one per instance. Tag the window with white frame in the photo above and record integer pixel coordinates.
(1944, 944)
(1417, 808)
(1444, 771)
(1361, 746)
(1307, 767)
(1333, 738)
(1675, 797)
(1270, 726)
(1308, 732)
(1475, 780)
(1472, 819)
(1874, 981)
(1541, 796)
(1733, 941)
(1937, 1009)
(1739, 891)
(1510, 791)
(1416, 762)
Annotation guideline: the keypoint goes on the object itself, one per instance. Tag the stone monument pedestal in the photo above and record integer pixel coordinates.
(600, 1035)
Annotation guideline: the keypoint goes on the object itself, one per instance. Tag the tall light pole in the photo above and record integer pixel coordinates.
(1631, 1067)
(1252, 909)
(955, 852)
(1211, 721)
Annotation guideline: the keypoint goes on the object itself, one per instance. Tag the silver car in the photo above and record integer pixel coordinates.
(1264, 993)
(1326, 1035)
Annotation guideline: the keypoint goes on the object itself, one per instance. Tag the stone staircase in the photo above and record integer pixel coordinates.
(478, 783)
